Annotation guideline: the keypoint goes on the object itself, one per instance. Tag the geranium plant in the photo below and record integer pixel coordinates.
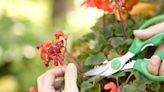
(107, 40)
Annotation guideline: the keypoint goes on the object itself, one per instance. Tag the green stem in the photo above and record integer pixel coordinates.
(127, 80)
(117, 82)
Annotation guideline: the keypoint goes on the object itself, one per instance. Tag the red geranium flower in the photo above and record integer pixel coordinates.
(54, 51)
(33, 89)
(59, 33)
(105, 5)
(89, 3)
(112, 86)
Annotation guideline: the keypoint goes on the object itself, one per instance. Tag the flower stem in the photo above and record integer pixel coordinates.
(122, 23)
(121, 19)
(117, 82)
(104, 24)
(74, 60)
(127, 80)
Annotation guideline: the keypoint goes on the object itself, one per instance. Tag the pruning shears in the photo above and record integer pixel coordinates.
(119, 64)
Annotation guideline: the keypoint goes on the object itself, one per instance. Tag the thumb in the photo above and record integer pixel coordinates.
(71, 78)
(149, 32)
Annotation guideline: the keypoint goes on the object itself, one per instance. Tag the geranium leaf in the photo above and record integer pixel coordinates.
(85, 86)
(98, 45)
(112, 55)
(117, 41)
(97, 79)
(141, 82)
(95, 59)
(128, 41)
(108, 32)
(121, 74)
(128, 88)
(96, 88)
(118, 30)
(88, 87)
(155, 86)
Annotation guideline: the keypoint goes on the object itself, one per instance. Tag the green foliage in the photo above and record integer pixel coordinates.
(128, 88)
(106, 41)
(90, 86)
(85, 86)
(96, 88)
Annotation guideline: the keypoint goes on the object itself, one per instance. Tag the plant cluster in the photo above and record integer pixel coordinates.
(107, 41)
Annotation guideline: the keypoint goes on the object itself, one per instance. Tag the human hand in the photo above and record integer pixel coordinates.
(47, 82)
(155, 66)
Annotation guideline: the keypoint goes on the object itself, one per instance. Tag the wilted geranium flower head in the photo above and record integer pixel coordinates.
(54, 51)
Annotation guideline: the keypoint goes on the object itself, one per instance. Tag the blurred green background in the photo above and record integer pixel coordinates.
(24, 24)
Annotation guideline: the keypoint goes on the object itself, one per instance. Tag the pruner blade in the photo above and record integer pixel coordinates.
(107, 69)
(97, 70)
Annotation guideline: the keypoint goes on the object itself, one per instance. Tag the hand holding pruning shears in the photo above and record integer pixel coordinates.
(156, 65)
(156, 38)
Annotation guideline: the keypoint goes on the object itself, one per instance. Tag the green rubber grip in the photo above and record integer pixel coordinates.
(138, 45)
(141, 66)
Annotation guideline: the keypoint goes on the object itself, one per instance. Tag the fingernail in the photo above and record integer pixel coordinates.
(71, 65)
(136, 32)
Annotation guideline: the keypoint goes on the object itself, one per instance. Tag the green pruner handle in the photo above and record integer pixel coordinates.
(141, 66)
(138, 45)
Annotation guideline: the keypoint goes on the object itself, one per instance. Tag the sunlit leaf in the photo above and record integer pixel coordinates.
(130, 3)
(134, 7)
(144, 8)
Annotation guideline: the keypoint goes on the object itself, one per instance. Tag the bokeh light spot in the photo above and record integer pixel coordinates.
(29, 52)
